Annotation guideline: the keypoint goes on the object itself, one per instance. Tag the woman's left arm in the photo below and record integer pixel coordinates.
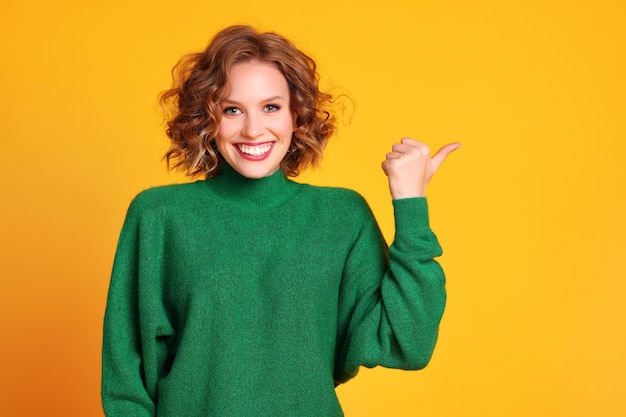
(392, 301)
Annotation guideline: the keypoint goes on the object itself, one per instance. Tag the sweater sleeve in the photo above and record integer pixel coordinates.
(391, 301)
(134, 351)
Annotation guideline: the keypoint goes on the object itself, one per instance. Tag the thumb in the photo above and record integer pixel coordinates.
(442, 154)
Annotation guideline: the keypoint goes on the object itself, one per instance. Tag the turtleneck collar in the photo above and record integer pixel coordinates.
(268, 192)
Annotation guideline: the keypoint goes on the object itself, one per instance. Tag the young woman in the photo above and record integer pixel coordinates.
(245, 293)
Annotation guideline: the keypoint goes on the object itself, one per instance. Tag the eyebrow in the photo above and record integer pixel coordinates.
(267, 100)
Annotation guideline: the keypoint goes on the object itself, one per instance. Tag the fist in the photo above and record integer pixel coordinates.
(410, 167)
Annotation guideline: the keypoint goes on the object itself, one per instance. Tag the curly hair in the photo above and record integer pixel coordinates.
(192, 105)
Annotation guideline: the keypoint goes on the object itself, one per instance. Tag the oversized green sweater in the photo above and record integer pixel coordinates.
(235, 297)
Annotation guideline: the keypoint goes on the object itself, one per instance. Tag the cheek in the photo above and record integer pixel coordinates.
(221, 142)
(225, 131)
(225, 128)
(286, 126)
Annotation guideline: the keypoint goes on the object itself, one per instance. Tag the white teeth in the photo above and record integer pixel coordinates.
(257, 150)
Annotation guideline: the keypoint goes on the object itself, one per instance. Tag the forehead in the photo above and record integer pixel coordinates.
(255, 81)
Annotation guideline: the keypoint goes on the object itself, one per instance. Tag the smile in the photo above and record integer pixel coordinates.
(254, 151)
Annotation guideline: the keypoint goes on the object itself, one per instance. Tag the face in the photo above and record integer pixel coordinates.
(257, 123)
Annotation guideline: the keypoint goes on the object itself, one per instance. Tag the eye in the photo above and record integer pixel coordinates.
(231, 111)
(271, 108)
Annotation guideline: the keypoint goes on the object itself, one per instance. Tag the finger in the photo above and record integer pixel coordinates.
(401, 148)
(385, 166)
(411, 145)
(411, 142)
(393, 155)
(442, 154)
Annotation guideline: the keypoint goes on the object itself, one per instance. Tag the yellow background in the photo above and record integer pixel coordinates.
(530, 211)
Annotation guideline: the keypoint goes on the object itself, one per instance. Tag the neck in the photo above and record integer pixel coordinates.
(267, 192)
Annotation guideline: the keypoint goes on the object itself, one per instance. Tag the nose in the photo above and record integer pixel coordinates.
(253, 126)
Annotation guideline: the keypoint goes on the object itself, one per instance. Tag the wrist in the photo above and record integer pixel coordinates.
(398, 193)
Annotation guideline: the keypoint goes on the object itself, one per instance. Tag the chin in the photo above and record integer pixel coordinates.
(255, 172)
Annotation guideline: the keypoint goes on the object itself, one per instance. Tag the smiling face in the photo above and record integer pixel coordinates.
(257, 123)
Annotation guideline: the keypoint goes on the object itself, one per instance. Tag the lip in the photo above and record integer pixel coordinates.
(254, 157)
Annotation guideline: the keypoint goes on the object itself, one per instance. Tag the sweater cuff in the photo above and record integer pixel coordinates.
(411, 215)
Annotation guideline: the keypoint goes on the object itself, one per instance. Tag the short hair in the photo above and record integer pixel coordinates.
(199, 84)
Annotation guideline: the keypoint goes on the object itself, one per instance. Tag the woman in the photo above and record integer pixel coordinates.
(247, 294)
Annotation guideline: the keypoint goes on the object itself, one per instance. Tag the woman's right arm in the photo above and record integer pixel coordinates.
(129, 353)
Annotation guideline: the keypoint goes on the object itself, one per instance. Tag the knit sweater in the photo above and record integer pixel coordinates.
(237, 297)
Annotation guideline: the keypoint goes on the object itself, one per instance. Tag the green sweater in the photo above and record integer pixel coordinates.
(235, 297)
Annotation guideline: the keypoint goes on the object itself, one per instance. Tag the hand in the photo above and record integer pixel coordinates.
(410, 167)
